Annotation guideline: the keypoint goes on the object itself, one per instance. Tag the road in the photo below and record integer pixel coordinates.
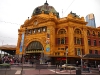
(15, 70)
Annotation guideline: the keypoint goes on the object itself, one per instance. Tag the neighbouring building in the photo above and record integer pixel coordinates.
(45, 34)
(91, 20)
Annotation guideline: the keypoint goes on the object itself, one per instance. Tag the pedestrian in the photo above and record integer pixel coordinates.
(61, 63)
(89, 66)
(77, 63)
(56, 64)
(32, 61)
(99, 67)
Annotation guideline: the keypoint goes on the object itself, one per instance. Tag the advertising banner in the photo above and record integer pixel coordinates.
(48, 41)
(22, 42)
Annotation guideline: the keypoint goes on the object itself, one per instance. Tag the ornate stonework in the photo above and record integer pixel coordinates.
(65, 33)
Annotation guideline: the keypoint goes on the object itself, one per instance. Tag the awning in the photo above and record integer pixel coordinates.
(92, 56)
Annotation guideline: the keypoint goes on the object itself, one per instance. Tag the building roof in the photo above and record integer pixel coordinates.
(8, 47)
(46, 9)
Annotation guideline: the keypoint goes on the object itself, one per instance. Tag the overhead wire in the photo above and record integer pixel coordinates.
(9, 22)
(69, 6)
(8, 37)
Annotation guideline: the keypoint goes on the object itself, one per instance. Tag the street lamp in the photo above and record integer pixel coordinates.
(81, 61)
(66, 56)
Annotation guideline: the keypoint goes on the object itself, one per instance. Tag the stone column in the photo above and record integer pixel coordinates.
(86, 50)
(71, 50)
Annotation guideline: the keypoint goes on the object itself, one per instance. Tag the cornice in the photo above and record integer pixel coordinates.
(76, 21)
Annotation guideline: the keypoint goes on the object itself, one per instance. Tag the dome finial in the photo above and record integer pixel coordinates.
(46, 3)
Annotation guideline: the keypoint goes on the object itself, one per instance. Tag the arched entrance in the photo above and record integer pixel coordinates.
(35, 50)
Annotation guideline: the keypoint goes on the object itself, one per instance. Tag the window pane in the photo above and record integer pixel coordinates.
(90, 51)
(96, 51)
(94, 42)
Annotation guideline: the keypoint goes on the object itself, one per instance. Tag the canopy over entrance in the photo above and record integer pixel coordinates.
(92, 56)
(34, 47)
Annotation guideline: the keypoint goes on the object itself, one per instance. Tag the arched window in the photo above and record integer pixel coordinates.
(88, 32)
(77, 31)
(98, 34)
(62, 31)
(93, 33)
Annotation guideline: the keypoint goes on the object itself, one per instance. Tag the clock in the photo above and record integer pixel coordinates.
(35, 22)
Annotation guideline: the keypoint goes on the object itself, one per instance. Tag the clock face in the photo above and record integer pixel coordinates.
(35, 22)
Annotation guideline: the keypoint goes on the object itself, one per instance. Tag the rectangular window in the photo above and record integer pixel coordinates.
(99, 43)
(58, 48)
(78, 51)
(58, 40)
(62, 41)
(55, 53)
(90, 51)
(96, 51)
(65, 40)
(64, 53)
(89, 42)
(62, 48)
(58, 53)
(79, 41)
(94, 42)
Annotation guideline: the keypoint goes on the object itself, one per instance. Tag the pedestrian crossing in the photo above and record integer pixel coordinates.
(18, 72)
(63, 71)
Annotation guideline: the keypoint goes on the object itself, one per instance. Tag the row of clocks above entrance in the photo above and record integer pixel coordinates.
(36, 30)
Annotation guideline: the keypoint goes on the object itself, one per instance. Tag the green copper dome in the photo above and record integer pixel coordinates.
(46, 8)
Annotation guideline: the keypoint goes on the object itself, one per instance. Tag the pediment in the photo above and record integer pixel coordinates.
(38, 19)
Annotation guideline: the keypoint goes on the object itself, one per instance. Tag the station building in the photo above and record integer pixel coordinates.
(46, 34)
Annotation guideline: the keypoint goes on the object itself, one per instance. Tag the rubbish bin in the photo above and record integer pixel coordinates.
(78, 71)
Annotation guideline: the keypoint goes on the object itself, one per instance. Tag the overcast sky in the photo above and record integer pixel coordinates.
(13, 13)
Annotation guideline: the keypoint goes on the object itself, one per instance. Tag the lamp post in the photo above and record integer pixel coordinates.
(66, 57)
(81, 61)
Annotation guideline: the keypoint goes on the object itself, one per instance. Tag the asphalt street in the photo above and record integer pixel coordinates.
(29, 70)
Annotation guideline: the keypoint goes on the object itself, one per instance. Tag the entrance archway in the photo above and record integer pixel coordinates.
(35, 49)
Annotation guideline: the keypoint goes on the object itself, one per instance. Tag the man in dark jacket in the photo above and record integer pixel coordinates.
(61, 63)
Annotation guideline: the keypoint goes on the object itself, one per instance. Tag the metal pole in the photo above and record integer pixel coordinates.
(22, 66)
(55, 70)
(81, 63)
(6, 70)
(66, 58)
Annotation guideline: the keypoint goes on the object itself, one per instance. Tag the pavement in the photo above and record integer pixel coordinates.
(28, 69)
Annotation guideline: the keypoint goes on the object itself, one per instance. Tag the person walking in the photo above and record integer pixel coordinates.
(99, 67)
(88, 64)
(56, 64)
(61, 63)
(32, 61)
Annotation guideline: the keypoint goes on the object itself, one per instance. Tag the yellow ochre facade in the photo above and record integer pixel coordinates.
(46, 33)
